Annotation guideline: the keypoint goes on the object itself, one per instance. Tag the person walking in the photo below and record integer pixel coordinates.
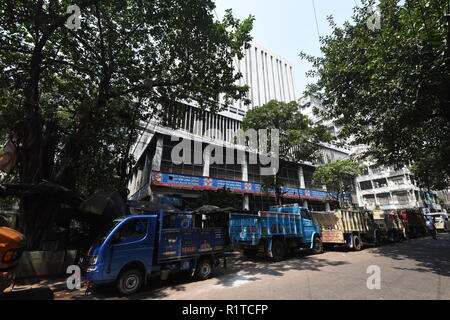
(432, 228)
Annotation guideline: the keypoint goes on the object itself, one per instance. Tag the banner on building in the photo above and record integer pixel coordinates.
(205, 183)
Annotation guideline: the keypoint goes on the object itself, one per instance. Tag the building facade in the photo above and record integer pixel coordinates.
(391, 188)
(157, 175)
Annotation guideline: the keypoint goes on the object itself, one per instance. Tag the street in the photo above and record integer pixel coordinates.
(415, 269)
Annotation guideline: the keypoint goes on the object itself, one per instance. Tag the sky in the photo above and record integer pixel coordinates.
(288, 27)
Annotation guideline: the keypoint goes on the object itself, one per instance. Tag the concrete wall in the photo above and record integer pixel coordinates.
(44, 263)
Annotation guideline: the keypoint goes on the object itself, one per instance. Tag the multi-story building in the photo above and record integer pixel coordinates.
(312, 107)
(391, 188)
(269, 77)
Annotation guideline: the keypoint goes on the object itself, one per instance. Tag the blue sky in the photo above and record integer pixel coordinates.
(288, 27)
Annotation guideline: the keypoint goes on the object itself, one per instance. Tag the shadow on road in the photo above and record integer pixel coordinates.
(242, 269)
(431, 255)
(239, 269)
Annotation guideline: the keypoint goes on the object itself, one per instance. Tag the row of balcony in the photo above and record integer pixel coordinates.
(382, 173)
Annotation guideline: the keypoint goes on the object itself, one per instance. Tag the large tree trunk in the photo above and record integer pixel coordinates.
(36, 154)
(37, 220)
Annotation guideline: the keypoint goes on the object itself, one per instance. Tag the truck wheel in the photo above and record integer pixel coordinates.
(357, 244)
(204, 269)
(250, 254)
(317, 245)
(130, 282)
(279, 251)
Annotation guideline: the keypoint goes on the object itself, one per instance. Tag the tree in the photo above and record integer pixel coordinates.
(338, 177)
(72, 101)
(299, 139)
(389, 88)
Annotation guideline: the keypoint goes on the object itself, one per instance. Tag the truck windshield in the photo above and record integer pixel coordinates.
(105, 232)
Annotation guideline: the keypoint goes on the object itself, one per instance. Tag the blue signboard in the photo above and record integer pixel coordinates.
(205, 183)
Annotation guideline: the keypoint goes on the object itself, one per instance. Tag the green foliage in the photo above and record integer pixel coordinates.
(338, 176)
(73, 100)
(389, 88)
(299, 138)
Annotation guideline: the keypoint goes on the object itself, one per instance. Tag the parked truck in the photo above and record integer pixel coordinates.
(414, 222)
(349, 228)
(390, 225)
(135, 247)
(275, 232)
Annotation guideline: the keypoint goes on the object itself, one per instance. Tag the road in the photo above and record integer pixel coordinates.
(415, 269)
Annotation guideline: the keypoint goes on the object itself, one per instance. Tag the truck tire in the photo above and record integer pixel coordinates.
(317, 245)
(204, 269)
(279, 251)
(250, 254)
(130, 281)
(357, 244)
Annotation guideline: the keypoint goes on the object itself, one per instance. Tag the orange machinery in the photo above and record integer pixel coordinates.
(12, 244)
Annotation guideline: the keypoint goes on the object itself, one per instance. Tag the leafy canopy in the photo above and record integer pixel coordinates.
(299, 139)
(338, 176)
(389, 88)
(73, 100)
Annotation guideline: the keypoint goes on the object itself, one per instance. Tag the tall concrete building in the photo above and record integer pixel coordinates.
(269, 76)
(312, 107)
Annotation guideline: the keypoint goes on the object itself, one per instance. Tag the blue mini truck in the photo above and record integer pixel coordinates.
(134, 247)
(275, 232)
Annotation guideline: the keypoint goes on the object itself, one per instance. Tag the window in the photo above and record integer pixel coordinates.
(365, 185)
(398, 180)
(131, 231)
(306, 215)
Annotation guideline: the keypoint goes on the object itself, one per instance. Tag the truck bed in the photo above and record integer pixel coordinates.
(250, 229)
(342, 220)
(178, 244)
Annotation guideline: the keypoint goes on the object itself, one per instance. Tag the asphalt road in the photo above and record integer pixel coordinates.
(415, 269)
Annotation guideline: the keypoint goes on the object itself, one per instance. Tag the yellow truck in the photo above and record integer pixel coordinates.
(350, 228)
(390, 225)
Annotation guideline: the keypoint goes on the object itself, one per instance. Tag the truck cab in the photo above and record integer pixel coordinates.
(275, 232)
(132, 248)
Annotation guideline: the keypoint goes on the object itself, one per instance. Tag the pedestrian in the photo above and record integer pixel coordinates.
(432, 228)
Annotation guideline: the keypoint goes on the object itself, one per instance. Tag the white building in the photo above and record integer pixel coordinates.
(311, 107)
(390, 188)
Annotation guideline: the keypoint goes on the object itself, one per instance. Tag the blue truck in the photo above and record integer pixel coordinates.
(135, 247)
(275, 232)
